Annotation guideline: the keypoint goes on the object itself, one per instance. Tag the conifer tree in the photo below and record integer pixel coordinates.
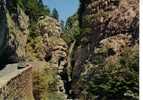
(55, 14)
(62, 25)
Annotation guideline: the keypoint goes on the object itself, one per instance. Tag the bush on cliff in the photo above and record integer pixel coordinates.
(45, 84)
(71, 30)
(119, 81)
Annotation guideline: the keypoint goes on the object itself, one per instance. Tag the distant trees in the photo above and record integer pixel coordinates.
(55, 14)
(71, 29)
(40, 3)
(62, 25)
(35, 9)
(12, 5)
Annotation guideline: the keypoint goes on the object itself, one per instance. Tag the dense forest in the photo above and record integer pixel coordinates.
(94, 55)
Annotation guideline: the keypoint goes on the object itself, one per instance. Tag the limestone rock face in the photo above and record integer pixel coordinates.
(47, 42)
(59, 52)
(23, 22)
(18, 34)
(49, 47)
(106, 22)
(17, 44)
(114, 47)
(100, 19)
(109, 16)
(15, 30)
(117, 43)
(49, 25)
(59, 61)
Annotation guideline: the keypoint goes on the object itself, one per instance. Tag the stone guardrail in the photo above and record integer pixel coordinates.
(16, 82)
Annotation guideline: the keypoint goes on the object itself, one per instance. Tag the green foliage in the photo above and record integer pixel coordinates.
(114, 81)
(55, 14)
(85, 30)
(35, 9)
(44, 84)
(35, 49)
(12, 5)
(72, 30)
(62, 25)
(21, 3)
(54, 96)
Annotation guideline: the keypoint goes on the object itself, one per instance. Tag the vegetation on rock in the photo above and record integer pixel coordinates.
(71, 29)
(55, 14)
(103, 60)
(45, 83)
(108, 71)
(115, 78)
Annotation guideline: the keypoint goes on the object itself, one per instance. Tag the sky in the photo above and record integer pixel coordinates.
(65, 8)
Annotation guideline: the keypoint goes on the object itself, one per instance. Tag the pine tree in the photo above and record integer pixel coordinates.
(41, 3)
(55, 14)
(62, 25)
(35, 9)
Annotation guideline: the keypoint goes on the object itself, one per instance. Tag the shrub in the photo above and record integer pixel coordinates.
(45, 85)
(119, 81)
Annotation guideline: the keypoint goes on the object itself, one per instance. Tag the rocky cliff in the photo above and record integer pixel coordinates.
(112, 26)
(101, 63)
(14, 33)
(49, 47)
(19, 43)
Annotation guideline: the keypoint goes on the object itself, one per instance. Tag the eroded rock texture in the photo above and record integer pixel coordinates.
(49, 47)
(112, 22)
(14, 33)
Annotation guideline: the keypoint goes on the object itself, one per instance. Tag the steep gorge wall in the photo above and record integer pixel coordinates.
(18, 45)
(3, 29)
(51, 49)
(109, 17)
(100, 20)
(14, 33)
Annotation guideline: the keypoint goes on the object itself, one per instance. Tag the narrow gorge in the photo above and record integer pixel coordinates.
(94, 55)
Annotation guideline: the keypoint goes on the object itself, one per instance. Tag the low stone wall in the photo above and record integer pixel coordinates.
(16, 84)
